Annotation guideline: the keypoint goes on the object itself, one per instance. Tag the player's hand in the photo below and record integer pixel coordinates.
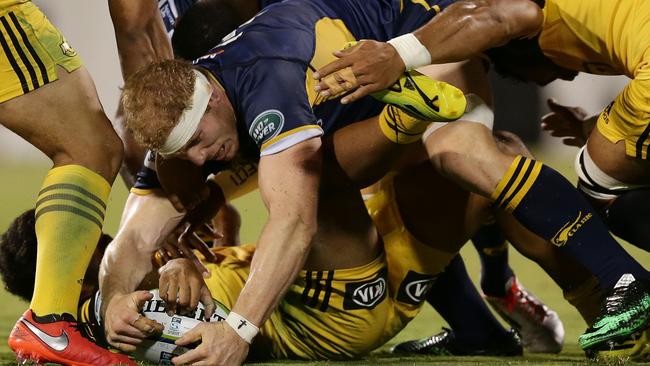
(569, 123)
(373, 66)
(220, 345)
(183, 242)
(182, 287)
(124, 325)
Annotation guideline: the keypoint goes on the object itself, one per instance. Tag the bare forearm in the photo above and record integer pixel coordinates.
(280, 255)
(468, 27)
(124, 267)
(140, 34)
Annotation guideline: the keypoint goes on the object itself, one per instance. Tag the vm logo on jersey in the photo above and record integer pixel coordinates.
(414, 288)
(365, 295)
(266, 126)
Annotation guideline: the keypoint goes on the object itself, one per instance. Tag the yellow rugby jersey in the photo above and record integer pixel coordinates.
(608, 37)
(7, 3)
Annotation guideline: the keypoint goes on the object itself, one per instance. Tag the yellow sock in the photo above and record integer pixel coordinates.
(587, 299)
(69, 218)
(399, 126)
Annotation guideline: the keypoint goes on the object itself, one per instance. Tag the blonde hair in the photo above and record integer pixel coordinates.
(154, 99)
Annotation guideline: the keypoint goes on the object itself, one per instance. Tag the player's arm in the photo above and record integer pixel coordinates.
(459, 32)
(289, 184)
(147, 220)
(141, 39)
(140, 34)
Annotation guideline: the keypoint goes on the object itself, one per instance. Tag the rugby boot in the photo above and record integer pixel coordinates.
(624, 312)
(424, 98)
(635, 347)
(445, 343)
(540, 328)
(55, 338)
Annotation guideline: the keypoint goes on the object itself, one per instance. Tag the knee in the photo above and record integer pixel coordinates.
(511, 144)
(101, 152)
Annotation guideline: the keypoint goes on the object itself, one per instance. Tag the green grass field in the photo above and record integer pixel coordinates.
(21, 183)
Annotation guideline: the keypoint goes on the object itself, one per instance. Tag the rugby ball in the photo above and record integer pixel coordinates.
(161, 349)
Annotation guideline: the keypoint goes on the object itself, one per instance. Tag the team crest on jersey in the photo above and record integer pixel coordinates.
(365, 295)
(266, 126)
(414, 288)
(67, 49)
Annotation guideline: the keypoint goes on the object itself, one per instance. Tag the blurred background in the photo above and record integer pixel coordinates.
(88, 29)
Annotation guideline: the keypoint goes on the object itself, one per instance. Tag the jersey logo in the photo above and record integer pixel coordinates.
(365, 295)
(57, 343)
(266, 126)
(414, 288)
(570, 228)
(67, 49)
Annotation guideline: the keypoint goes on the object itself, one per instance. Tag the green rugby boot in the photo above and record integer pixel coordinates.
(424, 98)
(635, 347)
(625, 312)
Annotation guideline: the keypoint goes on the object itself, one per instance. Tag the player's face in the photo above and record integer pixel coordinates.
(215, 138)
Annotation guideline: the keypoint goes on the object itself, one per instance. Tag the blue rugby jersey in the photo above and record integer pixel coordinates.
(265, 67)
(266, 64)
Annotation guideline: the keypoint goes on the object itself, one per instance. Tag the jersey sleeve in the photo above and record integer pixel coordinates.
(275, 106)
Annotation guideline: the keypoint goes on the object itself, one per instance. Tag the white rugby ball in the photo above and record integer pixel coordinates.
(161, 349)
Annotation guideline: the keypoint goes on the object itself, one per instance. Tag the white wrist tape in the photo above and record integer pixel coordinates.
(189, 121)
(246, 330)
(412, 52)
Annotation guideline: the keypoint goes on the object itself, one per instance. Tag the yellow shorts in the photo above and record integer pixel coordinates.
(412, 265)
(628, 116)
(339, 314)
(32, 48)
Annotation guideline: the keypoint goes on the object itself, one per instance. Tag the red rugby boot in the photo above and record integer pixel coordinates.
(55, 338)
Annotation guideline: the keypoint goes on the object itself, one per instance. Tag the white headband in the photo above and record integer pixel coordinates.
(189, 120)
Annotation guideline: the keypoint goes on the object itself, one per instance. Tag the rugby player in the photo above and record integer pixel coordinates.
(194, 35)
(306, 323)
(289, 170)
(578, 230)
(143, 31)
(40, 68)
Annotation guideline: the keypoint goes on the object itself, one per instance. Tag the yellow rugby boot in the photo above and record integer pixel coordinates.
(424, 98)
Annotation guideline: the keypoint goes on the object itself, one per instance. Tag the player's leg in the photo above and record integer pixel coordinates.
(539, 197)
(615, 164)
(63, 119)
(474, 330)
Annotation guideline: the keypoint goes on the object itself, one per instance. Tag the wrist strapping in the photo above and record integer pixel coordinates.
(412, 52)
(244, 328)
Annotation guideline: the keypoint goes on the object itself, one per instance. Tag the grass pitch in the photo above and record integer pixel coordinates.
(21, 183)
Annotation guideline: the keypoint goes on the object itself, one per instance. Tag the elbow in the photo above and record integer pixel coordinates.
(517, 18)
(505, 19)
(526, 19)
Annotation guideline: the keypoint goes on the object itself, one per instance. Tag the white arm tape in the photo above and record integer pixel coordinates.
(412, 52)
(245, 329)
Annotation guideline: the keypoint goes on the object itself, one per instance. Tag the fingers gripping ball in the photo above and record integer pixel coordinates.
(160, 349)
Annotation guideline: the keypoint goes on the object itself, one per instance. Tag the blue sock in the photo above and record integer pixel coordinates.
(629, 217)
(454, 296)
(493, 251)
(548, 205)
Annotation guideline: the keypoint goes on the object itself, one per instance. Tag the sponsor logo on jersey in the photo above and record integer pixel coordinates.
(266, 126)
(570, 228)
(606, 112)
(67, 49)
(414, 288)
(365, 295)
